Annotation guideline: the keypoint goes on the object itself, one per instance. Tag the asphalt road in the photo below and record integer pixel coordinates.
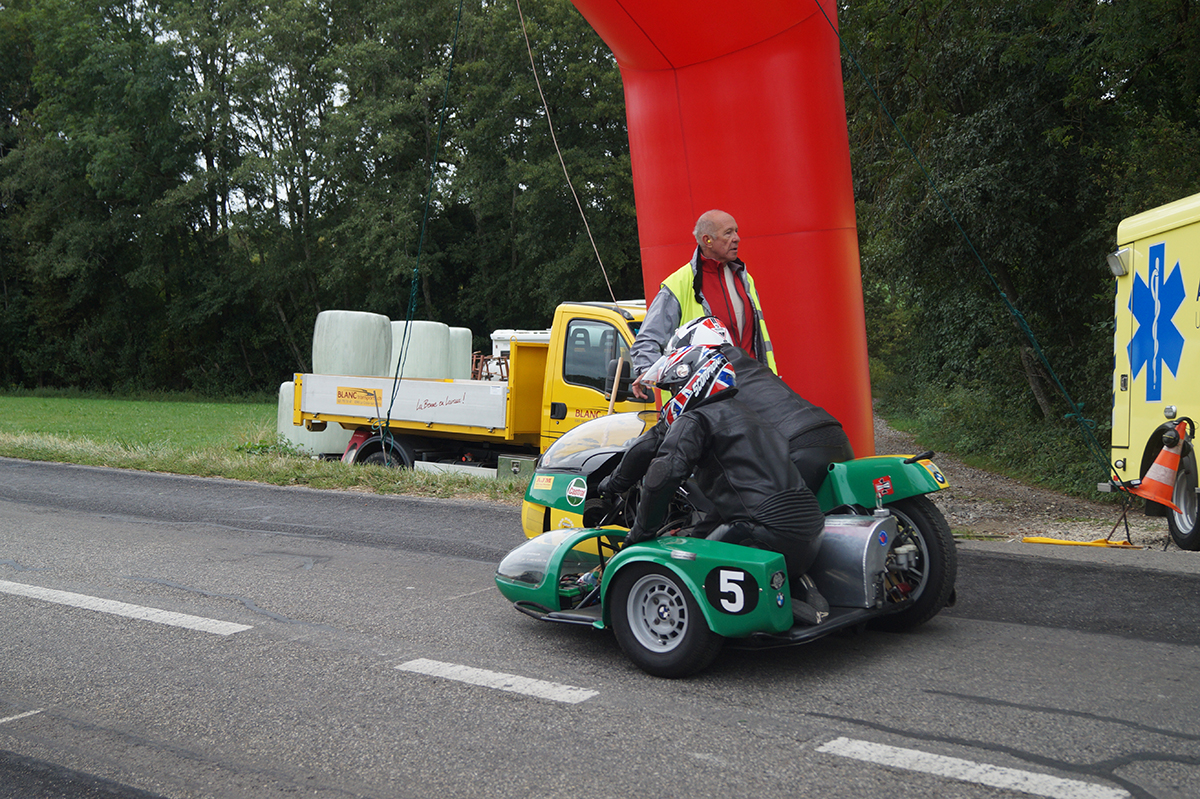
(1062, 671)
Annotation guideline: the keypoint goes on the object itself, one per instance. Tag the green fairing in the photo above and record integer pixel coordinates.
(852, 482)
(849, 483)
(768, 615)
(555, 496)
(545, 593)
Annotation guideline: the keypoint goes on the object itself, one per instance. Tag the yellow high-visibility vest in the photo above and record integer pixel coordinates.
(680, 284)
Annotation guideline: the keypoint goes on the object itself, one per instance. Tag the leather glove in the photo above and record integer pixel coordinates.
(605, 486)
(636, 535)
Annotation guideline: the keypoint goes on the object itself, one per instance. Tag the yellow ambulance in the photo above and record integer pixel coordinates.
(1156, 353)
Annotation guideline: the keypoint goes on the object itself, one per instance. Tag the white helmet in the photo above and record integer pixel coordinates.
(707, 331)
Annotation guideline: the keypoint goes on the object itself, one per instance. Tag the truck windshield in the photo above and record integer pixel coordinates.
(591, 352)
(607, 432)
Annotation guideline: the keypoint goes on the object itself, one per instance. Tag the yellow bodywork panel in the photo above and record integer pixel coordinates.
(1156, 343)
(297, 416)
(588, 344)
(526, 374)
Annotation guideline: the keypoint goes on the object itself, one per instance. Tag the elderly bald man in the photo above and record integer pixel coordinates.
(714, 283)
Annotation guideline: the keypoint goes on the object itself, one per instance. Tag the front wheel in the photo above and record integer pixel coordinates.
(1182, 522)
(924, 576)
(658, 623)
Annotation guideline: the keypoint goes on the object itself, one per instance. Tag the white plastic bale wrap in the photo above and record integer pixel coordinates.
(351, 343)
(428, 351)
(460, 353)
(330, 441)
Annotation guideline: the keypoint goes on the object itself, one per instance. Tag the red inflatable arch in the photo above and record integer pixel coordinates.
(739, 106)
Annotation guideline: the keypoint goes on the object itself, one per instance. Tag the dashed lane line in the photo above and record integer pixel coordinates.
(123, 609)
(499, 681)
(969, 771)
(20, 716)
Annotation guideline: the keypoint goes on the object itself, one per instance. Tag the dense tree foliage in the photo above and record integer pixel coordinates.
(1024, 132)
(185, 185)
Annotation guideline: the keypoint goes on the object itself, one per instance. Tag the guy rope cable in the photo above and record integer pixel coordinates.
(386, 427)
(554, 138)
(1086, 426)
(385, 423)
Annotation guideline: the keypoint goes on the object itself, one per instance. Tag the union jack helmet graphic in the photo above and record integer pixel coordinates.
(692, 375)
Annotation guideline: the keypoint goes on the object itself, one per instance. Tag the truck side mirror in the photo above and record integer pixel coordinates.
(624, 392)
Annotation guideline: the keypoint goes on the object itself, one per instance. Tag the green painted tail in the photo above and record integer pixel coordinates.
(864, 481)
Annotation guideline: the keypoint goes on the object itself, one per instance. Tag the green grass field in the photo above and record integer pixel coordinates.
(208, 439)
(138, 423)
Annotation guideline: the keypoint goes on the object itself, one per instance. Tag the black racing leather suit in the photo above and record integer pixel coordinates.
(815, 437)
(740, 463)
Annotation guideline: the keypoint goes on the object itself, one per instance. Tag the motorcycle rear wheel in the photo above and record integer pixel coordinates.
(931, 579)
(658, 624)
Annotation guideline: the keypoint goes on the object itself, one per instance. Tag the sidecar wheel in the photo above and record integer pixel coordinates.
(930, 581)
(1182, 523)
(658, 623)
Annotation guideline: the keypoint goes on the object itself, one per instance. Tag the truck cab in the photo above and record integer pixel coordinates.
(588, 341)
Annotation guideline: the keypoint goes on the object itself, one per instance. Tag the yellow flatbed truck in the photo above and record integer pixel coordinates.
(1156, 352)
(551, 387)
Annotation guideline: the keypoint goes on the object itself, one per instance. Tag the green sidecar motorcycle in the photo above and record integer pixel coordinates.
(886, 558)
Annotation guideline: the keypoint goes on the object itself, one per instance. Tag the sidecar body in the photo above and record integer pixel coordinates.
(738, 593)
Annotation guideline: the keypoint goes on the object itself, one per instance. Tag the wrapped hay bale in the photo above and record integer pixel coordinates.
(428, 352)
(351, 343)
(460, 353)
(330, 441)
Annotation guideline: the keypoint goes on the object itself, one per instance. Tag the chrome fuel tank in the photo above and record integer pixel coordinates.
(852, 557)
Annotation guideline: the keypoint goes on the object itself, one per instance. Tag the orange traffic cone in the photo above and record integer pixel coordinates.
(1159, 483)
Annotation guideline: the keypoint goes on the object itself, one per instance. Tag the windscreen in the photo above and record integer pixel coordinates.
(607, 432)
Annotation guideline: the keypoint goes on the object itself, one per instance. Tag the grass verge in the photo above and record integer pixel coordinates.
(206, 439)
(237, 440)
(985, 433)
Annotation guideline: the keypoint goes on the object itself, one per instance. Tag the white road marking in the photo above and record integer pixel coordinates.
(969, 771)
(500, 681)
(123, 609)
(711, 759)
(20, 716)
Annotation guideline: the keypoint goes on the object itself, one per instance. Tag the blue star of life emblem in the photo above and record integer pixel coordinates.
(1157, 342)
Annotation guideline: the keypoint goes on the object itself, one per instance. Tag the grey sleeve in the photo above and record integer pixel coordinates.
(662, 319)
